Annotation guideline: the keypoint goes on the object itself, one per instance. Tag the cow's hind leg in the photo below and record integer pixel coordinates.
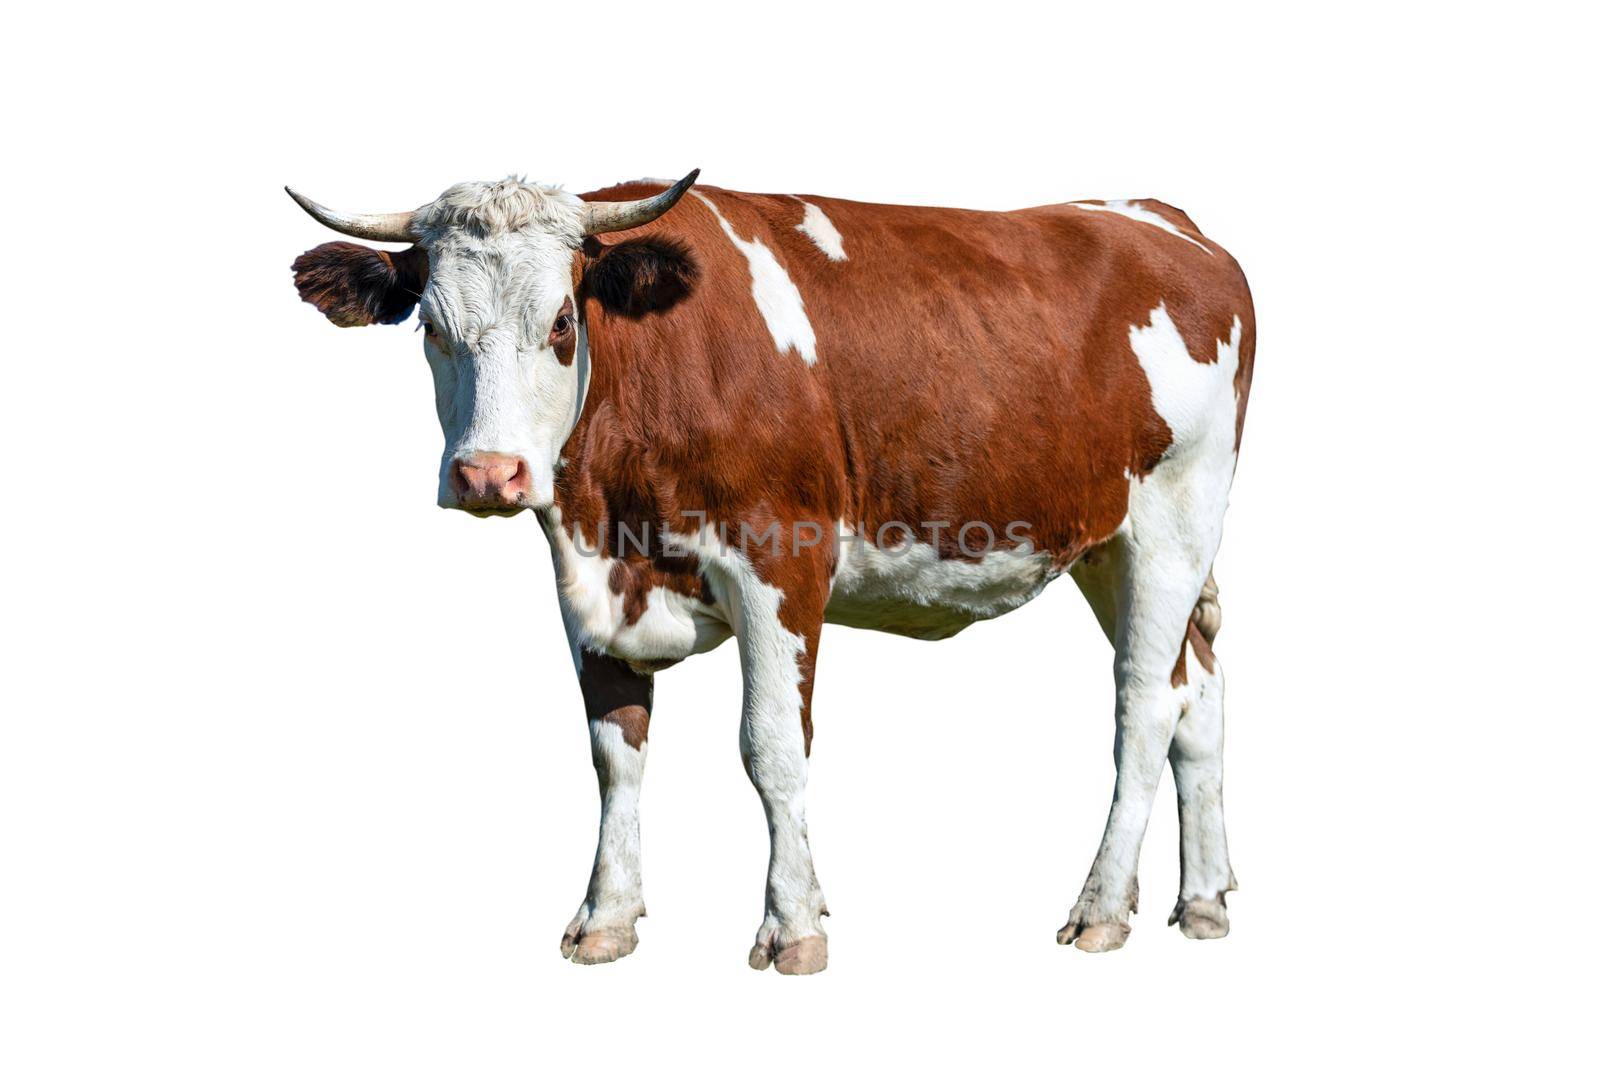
(1196, 758)
(1143, 591)
(617, 701)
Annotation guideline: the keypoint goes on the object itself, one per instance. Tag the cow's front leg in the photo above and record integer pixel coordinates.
(778, 624)
(617, 702)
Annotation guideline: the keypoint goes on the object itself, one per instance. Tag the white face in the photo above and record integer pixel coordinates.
(510, 361)
(510, 364)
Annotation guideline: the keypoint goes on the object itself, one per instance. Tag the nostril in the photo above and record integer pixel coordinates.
(522, 480)
(466, 480)
(504, 478)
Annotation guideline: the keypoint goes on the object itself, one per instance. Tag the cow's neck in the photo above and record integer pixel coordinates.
(611, 467)
(628, 478)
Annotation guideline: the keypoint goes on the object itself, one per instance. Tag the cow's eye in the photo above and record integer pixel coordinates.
(428, 330)
(563, 323)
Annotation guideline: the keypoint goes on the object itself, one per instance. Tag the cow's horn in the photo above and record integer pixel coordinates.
(603, 217)
(392, 226)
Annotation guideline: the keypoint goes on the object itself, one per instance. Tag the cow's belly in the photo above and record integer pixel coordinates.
(910, 590)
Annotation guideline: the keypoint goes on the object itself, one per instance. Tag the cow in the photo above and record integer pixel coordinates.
(747, 415)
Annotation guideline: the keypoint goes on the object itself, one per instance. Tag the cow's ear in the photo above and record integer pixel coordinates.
(638, 276)
(354, 285)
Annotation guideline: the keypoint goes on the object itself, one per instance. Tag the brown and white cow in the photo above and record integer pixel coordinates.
(750, 415)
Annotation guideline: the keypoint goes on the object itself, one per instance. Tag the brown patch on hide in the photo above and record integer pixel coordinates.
(614, 693)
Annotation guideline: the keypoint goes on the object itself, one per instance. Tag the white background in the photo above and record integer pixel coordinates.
(293, 767)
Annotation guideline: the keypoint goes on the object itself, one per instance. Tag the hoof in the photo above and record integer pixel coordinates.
(1201, 918)
(1094, 938)
(598, 946)
(806, 957)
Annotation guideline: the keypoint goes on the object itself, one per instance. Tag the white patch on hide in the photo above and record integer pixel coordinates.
(1196, 400)
(910, 589)
(1140, 214)
(672, 626)
(1175, 512)
(776, 296)
(1180, 503)
(820, 229)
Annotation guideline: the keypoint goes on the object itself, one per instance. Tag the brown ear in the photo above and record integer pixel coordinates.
(638, 276)
(354, 285)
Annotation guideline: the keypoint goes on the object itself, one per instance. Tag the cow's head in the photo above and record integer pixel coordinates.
(495, 267)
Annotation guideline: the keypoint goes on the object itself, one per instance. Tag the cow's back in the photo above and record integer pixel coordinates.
(980, 361)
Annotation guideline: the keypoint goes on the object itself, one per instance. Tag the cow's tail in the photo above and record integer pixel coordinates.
(1207, 614)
